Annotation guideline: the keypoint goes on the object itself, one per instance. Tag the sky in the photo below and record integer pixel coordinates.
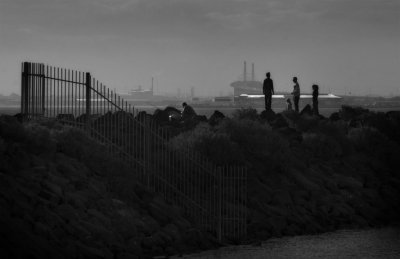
(345, 46)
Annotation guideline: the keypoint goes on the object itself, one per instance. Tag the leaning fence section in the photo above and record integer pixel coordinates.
(213, 197)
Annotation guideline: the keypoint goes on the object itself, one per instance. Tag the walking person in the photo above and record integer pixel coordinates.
(315, 94)
(268, 91)
(296, 94)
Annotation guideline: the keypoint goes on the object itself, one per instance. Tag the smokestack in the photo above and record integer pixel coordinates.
(252, 71)
(152, 84)
(244, 72)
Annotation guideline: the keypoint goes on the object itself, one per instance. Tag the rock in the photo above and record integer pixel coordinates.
(147, 242)
(173, 231)
(307, 110)
(98, 232)
(50, 196)
(52, 188)
(147, 225)
(98, 215)
(216, 117)
(279, 122)
(282, 197)
(128, 256)
(134, 246)
(334, 116)
(67, 213)
(347, 182)
(160, 213)
(277, 224)
(127, 227)
(76, 199)
(47, 217)
(90, 252)
(268, 115)
(41, 229)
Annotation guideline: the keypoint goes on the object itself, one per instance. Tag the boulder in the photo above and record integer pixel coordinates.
(306, 111)
(216, 117)
(268, 115)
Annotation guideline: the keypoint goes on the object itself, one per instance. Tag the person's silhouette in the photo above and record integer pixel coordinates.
(289, 105)
(268, 91)
(315, 94)
(296, 94)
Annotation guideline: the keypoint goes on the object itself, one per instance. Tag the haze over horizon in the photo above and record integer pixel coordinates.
(342, 45)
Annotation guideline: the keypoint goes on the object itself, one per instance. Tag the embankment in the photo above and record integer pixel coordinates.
(62, 196)
(309, 174)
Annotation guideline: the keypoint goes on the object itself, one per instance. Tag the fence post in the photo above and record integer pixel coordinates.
(43, 88)
(24, 90)
(219, 204)
(88, 100)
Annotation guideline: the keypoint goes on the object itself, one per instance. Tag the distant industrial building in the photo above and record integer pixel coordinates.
(246, 86)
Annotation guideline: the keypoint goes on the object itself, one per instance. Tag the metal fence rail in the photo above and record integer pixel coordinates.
(213, 197)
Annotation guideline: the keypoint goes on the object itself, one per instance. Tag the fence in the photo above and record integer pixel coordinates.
(214, 198)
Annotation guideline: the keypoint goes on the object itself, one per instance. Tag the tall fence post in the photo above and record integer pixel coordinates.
(88, 100)
(43, 91)
(219, 204)
(25, 90)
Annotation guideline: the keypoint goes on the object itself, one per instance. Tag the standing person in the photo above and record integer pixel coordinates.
(315, 94)
(296, 94)
(268, 91)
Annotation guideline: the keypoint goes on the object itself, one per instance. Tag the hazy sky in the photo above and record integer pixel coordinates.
(343, 45)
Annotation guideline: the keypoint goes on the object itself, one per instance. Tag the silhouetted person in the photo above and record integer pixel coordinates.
(188, 112)
(296, 94)
(315, 94)
(289, 106)
(268, 91)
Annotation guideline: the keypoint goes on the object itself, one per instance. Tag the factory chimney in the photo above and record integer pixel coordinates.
(252, 71)
(244, 72)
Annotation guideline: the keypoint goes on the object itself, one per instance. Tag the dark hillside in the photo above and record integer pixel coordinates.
(62, 196)
(309, 174)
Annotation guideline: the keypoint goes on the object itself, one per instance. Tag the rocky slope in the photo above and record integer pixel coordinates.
(61, 196)
(309, 174)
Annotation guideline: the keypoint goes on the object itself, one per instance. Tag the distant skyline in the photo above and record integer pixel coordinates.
(342, 45)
